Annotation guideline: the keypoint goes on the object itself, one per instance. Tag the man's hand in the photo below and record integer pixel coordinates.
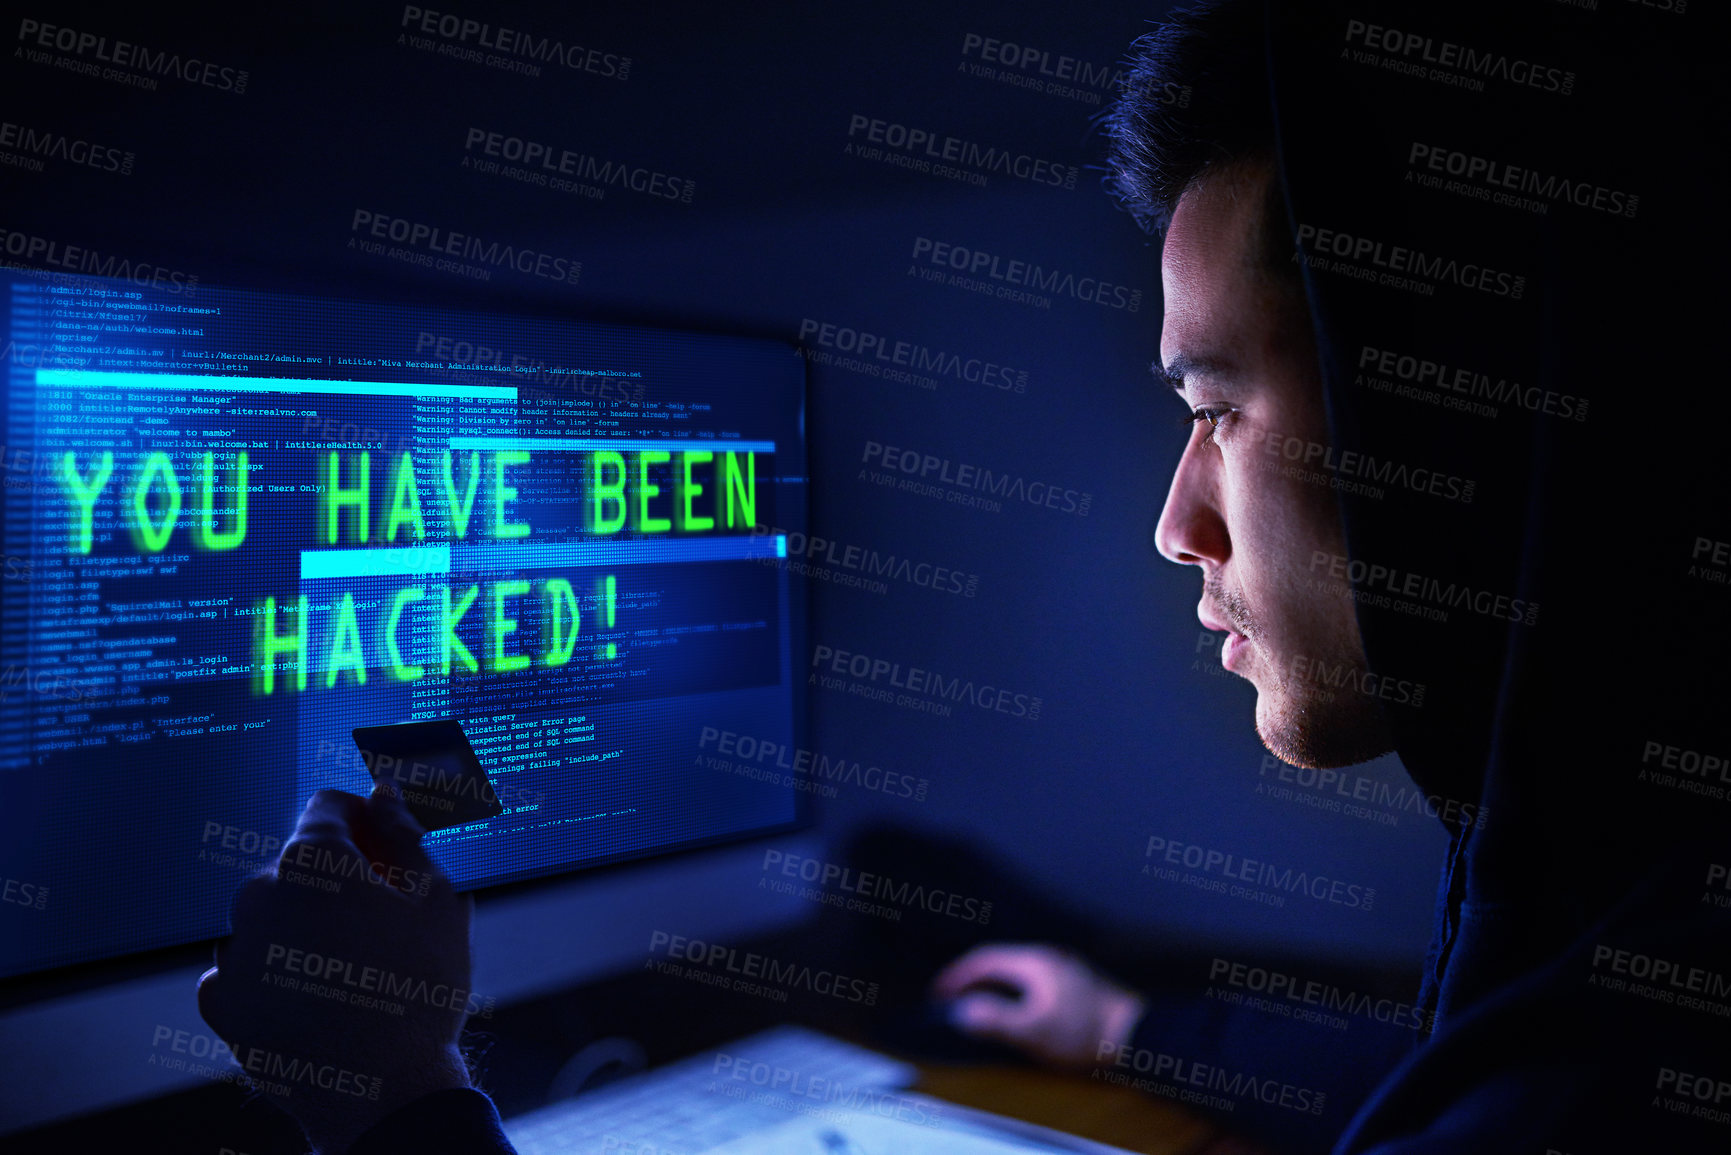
(344, 983)
(1042, 1000)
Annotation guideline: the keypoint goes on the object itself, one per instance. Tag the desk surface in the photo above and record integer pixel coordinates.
(1115, 1115)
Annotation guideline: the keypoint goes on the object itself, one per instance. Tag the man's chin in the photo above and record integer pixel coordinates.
(1323, 732)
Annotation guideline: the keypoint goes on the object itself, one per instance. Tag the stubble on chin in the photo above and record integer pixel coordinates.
(1300, 721)
(1319, 726)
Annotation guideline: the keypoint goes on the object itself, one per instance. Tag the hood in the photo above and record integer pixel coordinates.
(1512, 252)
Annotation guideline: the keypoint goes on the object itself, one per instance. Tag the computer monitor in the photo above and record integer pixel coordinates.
(240, 524)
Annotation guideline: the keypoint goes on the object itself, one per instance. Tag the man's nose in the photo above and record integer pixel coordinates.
(1191, 530)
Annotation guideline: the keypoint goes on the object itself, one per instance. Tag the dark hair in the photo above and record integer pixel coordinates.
(1196, 101)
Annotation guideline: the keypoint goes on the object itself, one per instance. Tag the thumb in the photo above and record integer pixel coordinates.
(986, 1015)
(390, 820)
(392, 837)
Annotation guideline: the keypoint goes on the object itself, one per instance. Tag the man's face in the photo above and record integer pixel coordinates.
(1239, 347)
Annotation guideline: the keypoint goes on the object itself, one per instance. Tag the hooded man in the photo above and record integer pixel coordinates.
(1438, 281)
(1438, 284)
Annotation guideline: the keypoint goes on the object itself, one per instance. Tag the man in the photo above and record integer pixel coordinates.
(1236, 346)
(1308, 259)
(1310, 135)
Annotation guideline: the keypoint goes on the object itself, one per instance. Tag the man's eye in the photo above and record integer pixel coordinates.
(1209, 414)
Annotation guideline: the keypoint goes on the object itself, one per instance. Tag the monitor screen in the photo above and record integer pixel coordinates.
(239, 525)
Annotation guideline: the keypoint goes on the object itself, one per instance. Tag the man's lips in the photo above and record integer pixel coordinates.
(1210, 622)
(1234, 642)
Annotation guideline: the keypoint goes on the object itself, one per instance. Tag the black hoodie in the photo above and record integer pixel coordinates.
(1511, 221)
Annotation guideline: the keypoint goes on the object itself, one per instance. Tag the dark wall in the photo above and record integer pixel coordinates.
(1117, 724)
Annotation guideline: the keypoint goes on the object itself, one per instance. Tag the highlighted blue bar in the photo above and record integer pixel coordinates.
(385, 561)
(635, 445)
(407, 561)
(644, 551)
(106, 379)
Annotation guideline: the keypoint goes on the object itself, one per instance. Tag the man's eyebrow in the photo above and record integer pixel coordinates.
(1184, 366)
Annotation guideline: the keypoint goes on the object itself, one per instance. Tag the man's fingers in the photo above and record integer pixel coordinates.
(394, 839)
(338, 808)
(390, 827)
(328, 820)
(1014, 966)
(323, 842)
(988, 1016)
(391, 813)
